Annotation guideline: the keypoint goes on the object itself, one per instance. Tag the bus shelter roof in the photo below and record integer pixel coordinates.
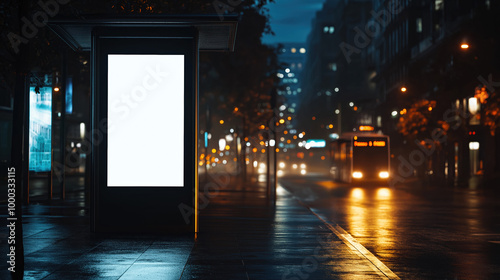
(216, 33)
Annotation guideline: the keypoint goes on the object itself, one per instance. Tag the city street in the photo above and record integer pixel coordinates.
(417, 232)
(238, 140)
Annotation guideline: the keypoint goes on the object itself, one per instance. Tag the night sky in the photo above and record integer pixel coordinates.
(291, 20)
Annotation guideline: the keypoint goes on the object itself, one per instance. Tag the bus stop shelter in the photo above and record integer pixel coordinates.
(144, 116)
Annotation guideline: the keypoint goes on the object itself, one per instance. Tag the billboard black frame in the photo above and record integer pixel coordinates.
(142, 209)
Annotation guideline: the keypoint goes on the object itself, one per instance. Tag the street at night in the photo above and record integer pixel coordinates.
(238, 140)
(419, 232)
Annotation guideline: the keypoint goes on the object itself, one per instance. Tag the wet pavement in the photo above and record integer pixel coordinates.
(419, 231)
(243, 235)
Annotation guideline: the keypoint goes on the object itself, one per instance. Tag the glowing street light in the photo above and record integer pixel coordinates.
(222, 144)
(473, 105)
(404, 89)
(464, 46)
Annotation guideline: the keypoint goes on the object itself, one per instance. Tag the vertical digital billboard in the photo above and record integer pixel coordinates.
(69, 96)
(40, 129)
(145, 109)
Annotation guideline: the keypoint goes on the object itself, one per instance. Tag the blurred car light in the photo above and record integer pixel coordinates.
(383, 174)
(357, 175)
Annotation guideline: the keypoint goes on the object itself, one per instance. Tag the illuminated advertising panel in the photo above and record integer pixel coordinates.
(69, 96)
(315, 143)
(145, 120)
(40, 129)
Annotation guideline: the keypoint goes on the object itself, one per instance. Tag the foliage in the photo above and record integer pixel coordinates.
(418, 121)
(415, 120)
(241, 82)
(492, 112)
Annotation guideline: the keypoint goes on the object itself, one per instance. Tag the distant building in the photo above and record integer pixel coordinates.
(336, 85)
(436, 50)
(292, 56)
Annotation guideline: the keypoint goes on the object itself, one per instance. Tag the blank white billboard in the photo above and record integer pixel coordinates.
(145, 121)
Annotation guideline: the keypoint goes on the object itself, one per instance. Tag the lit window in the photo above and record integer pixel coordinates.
(294, 50)
(438, 5)
(332, 66)
(419, 25)
(326, 29)
(302, 50)
(331, 29)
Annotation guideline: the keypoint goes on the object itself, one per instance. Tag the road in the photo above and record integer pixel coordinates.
(417, 232)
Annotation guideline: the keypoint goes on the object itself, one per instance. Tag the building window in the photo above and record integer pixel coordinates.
(328, 29)
(332, 66)
(302, 50)
(419, 25)
(294, 50)
(438, 5)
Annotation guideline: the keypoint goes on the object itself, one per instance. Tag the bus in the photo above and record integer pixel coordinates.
(360, 156)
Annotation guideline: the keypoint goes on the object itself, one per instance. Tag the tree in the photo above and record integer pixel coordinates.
(491, 112)
(242, 82)
(417, 120)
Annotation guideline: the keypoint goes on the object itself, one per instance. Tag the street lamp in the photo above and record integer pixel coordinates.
(222, 144)
(464, 46)
(474, 108)
(403, 89)
(473, 105)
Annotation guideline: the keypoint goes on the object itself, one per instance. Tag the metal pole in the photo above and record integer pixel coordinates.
(18, 171)
(274, 101)
(208, 126)
(62, 137)
(268, 167)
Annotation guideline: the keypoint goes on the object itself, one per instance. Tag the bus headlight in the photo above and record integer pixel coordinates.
(383, 174)
(357, 175)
